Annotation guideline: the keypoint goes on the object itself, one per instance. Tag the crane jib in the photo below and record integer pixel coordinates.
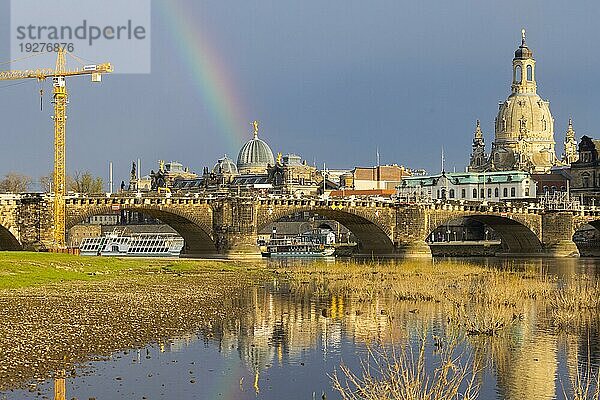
(50, 72)
(60, 106)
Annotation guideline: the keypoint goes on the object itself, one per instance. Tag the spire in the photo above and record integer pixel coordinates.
(255, 125)
(523, 52)
(570, 155)
(478, 132)
(570, 130)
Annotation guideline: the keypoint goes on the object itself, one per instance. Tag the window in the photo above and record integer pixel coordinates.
(489, 192)
(496, 194)
(438, 194)
(474, 193)
(463, 193)
(586, 180)
(512, 192)
(529, 73)
(526, 192)
(451, 193)
(482, 194)
(518, 74)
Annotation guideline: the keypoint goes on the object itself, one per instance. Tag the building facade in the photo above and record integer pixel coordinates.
(489, 186)
(585, 172)
(380, 177)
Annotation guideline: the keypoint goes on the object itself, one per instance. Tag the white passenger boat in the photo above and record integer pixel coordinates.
(133, 245)
(296, 247)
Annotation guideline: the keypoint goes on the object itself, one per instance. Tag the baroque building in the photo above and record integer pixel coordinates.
(585, 171)
(524, 127)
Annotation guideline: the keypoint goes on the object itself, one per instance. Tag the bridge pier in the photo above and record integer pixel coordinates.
(557, 235)
(416, 249)
(240, 246)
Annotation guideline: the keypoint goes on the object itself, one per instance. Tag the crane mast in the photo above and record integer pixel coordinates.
(60, 101)
(59, 175)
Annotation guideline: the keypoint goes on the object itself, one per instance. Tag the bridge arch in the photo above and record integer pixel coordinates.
(374, 237)
(517, 237)
(587, 240)
(196, 233)
(8, 241)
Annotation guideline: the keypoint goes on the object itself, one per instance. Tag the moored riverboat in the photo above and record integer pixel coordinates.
(133, 245)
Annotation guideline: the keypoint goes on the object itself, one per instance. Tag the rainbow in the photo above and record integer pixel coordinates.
(208, 73)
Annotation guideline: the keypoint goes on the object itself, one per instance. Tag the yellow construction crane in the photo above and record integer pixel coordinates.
(59, 99)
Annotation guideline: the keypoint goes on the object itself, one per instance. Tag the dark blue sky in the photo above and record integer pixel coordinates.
(330, 81)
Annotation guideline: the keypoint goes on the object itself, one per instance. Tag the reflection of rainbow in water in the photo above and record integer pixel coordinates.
(208, 72)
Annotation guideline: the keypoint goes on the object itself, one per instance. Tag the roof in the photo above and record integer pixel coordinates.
(249, 180)
(255, 153)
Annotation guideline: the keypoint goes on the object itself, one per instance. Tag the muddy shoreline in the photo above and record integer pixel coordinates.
(56, 327)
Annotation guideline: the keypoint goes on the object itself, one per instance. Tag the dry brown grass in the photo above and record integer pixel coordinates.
(402, 374)
(483, 301)
(577, 303)
(585, 380)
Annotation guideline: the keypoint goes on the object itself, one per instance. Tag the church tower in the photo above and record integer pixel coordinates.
(478, 157)
(523, 69)
(524, 131)
(571, 155)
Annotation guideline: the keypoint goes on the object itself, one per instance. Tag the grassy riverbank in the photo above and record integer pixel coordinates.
(24, 269)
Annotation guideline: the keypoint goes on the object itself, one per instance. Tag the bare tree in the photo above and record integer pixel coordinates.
(15, 183)
(85, 183)
(46, 183)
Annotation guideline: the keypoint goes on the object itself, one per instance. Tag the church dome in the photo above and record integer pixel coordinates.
(524, 132)
(255, 155)
(524, 115)
(225, 166)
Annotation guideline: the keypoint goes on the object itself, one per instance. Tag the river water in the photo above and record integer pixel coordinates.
(290, 343)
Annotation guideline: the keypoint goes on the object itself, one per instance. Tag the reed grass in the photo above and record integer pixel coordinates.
(576, 304)
(402, 374)
(585, 382)
(482, 301)
(483, 304)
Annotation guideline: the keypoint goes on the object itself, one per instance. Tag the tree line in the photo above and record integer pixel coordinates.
(79, 182)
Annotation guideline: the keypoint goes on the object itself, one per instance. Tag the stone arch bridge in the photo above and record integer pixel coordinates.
(229, 225)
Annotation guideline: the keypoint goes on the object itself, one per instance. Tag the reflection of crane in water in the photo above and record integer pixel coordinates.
(256, 387)
(60, 386)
